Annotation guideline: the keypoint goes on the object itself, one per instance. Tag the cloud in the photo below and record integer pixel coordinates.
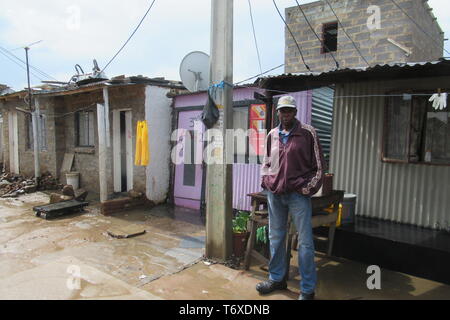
(77, 31)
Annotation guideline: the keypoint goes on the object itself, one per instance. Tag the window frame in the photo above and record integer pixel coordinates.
(254, 159)
(77, 129)
(386, 159)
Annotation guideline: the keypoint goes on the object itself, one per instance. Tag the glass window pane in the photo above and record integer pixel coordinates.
(397, 128)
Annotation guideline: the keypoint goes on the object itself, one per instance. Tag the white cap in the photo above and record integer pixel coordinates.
(286, 102)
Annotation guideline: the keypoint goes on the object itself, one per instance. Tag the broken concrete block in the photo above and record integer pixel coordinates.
(68, 190)
(80, 194)
(134, 194)
(126, 231)
(56, 197)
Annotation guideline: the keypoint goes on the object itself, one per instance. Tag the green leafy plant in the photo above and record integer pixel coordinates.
(240, 222)
(261, 235)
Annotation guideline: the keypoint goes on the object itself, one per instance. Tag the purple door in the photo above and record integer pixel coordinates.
(188, 155)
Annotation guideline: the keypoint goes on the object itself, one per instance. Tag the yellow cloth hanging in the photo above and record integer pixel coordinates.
(142, 155)
(145, 155)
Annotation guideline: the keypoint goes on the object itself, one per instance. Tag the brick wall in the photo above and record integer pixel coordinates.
(373, 44)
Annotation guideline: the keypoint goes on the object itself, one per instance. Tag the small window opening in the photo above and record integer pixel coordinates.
(330, 33)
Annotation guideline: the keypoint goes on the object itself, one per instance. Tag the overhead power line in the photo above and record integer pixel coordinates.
(40, 72)
(418, 26)
(315, 33)
(129, 38)
(343, 29)
(292, 35)
(20, 65)
(254, 35)
(262, 73)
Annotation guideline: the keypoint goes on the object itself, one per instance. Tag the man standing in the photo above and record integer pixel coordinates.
(292, 172)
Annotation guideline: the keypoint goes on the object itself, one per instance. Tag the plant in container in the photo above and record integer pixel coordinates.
(240, 233)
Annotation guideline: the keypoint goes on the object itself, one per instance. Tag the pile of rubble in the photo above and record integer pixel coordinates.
(12, 185)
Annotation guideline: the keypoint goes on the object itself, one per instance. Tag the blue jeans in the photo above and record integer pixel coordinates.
(299, 207)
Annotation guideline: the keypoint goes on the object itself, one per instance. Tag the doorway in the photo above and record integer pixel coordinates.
(123, 150)
(188, 170)
(13, 143)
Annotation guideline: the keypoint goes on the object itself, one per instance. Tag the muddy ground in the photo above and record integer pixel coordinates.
(74, 257)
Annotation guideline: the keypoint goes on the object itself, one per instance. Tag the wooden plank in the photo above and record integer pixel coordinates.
(67, 162)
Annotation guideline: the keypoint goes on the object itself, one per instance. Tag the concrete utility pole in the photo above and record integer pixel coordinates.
(219, 176)
(36, 124)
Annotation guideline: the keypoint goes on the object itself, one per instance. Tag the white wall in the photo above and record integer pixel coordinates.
(158, 116)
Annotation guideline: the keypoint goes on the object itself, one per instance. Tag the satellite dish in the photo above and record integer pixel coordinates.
(194, 71)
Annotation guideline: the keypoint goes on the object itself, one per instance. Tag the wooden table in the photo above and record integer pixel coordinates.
(260, 218)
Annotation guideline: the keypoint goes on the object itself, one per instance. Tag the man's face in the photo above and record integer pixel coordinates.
(287, 116)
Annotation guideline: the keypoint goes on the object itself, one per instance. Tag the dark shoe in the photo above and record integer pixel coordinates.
(269, 286)
(306, 296)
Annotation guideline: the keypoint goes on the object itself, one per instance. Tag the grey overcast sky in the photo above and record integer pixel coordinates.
(78, 31)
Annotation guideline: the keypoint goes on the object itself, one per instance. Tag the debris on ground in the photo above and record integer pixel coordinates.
(12, 185)
(233, 263)
(56, 197)
(80, 194)
(126, 231)
(68, 190)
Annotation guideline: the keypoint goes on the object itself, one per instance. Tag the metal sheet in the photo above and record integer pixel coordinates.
(406, 193)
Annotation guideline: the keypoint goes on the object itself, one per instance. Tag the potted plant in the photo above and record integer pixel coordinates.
(240, 233)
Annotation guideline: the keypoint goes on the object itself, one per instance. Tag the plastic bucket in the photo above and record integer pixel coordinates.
(73, 179)
(348, 208)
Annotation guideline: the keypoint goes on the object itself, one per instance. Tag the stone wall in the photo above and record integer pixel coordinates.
(373, 44)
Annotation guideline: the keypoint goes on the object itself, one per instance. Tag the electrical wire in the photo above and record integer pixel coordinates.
(358, 96)
(343, 29)
(404, 12)
(315, 33)
(21, 66)
(129, 38)
(42, 73)
(292, 35)
(259, 74)
(254, 36)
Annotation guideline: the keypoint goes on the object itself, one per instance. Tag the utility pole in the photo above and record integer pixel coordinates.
(35, 121)
(219, 176)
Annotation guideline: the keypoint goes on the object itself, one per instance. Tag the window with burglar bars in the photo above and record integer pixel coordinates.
(42, 132)
(414, 132)
(85, 128)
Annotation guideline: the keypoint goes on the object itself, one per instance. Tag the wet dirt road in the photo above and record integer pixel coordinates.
(74, 257)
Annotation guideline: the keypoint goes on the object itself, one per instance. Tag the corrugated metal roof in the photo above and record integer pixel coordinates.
(73, 88)
(311, 80)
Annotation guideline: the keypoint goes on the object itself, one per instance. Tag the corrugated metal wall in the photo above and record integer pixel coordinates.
(406, 193)
(322, 117)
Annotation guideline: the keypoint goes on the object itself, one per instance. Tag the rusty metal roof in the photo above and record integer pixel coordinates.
(311, 80)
